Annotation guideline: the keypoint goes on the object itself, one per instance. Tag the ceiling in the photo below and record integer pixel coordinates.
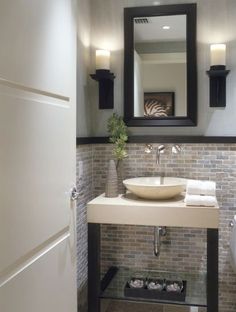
(153, 30)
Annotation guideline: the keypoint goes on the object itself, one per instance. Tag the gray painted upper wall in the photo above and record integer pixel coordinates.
(83, 61)
(215, 23)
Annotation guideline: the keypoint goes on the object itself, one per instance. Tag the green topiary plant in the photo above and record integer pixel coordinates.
(118, 135)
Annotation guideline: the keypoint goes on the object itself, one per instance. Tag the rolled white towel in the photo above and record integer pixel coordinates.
(200, 200)
(197, 187)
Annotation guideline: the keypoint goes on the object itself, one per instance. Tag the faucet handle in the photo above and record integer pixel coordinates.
(161, 149)
(176, 149)
(148, 148)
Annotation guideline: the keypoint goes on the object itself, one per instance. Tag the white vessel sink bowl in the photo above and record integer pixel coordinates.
(151, 187)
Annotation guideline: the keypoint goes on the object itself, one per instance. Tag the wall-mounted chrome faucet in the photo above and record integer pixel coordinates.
(175, 149)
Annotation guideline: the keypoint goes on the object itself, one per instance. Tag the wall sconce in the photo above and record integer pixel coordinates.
(105, 79)
(217, 75)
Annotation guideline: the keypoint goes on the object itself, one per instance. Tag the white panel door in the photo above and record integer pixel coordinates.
(37, 155)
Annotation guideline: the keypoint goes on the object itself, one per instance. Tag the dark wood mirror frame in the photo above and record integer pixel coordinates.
(179, 9)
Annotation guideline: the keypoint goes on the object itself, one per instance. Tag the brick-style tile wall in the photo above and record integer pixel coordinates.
(182, 249)
(84, 185)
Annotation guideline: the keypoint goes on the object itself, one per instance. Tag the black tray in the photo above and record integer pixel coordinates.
(156, 294)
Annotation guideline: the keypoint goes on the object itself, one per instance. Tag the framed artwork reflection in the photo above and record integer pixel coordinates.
(159, 104)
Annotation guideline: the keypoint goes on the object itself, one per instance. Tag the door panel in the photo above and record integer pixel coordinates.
(39, 288)
(35, 191)
(38, 43)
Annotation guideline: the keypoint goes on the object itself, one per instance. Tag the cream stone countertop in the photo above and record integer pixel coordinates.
(130, 210)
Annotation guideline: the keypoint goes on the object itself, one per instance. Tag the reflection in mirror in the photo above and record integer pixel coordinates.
(160, 88)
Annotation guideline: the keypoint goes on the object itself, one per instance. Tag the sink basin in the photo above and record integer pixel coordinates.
(156, 187)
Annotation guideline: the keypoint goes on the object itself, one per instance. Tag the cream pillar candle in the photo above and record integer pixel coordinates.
(218, 54)
(103, 59)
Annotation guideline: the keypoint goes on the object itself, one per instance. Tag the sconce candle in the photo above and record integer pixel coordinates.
(103, 59)
(218, 54)
(217, 75)
(105, 79)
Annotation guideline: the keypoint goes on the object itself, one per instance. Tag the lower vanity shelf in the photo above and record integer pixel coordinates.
(145, 289)
(114, 286)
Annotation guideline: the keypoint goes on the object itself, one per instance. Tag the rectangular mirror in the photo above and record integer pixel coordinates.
(160, 83)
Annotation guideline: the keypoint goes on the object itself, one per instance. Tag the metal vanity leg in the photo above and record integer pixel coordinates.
(212, 270)
(94, 283)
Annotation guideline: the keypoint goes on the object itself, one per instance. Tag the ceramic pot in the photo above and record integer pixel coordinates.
(111, 189)
(120, 174)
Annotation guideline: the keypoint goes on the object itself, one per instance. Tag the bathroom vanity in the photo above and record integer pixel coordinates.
(131, 210)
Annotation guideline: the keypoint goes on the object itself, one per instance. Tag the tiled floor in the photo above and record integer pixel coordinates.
(119, 306)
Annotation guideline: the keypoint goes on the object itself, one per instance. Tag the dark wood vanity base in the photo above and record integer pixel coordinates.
(97, 288)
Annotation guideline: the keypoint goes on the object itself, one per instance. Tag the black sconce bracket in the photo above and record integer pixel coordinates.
(217, 75)
(106, 88)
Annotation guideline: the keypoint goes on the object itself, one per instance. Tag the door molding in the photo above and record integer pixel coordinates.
(23, 263)
(16, 85)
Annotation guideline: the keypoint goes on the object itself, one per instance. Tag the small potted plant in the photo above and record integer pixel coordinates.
(118, 136)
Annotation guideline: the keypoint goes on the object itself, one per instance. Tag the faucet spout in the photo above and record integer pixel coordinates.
(162, 177)
(160, 150)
